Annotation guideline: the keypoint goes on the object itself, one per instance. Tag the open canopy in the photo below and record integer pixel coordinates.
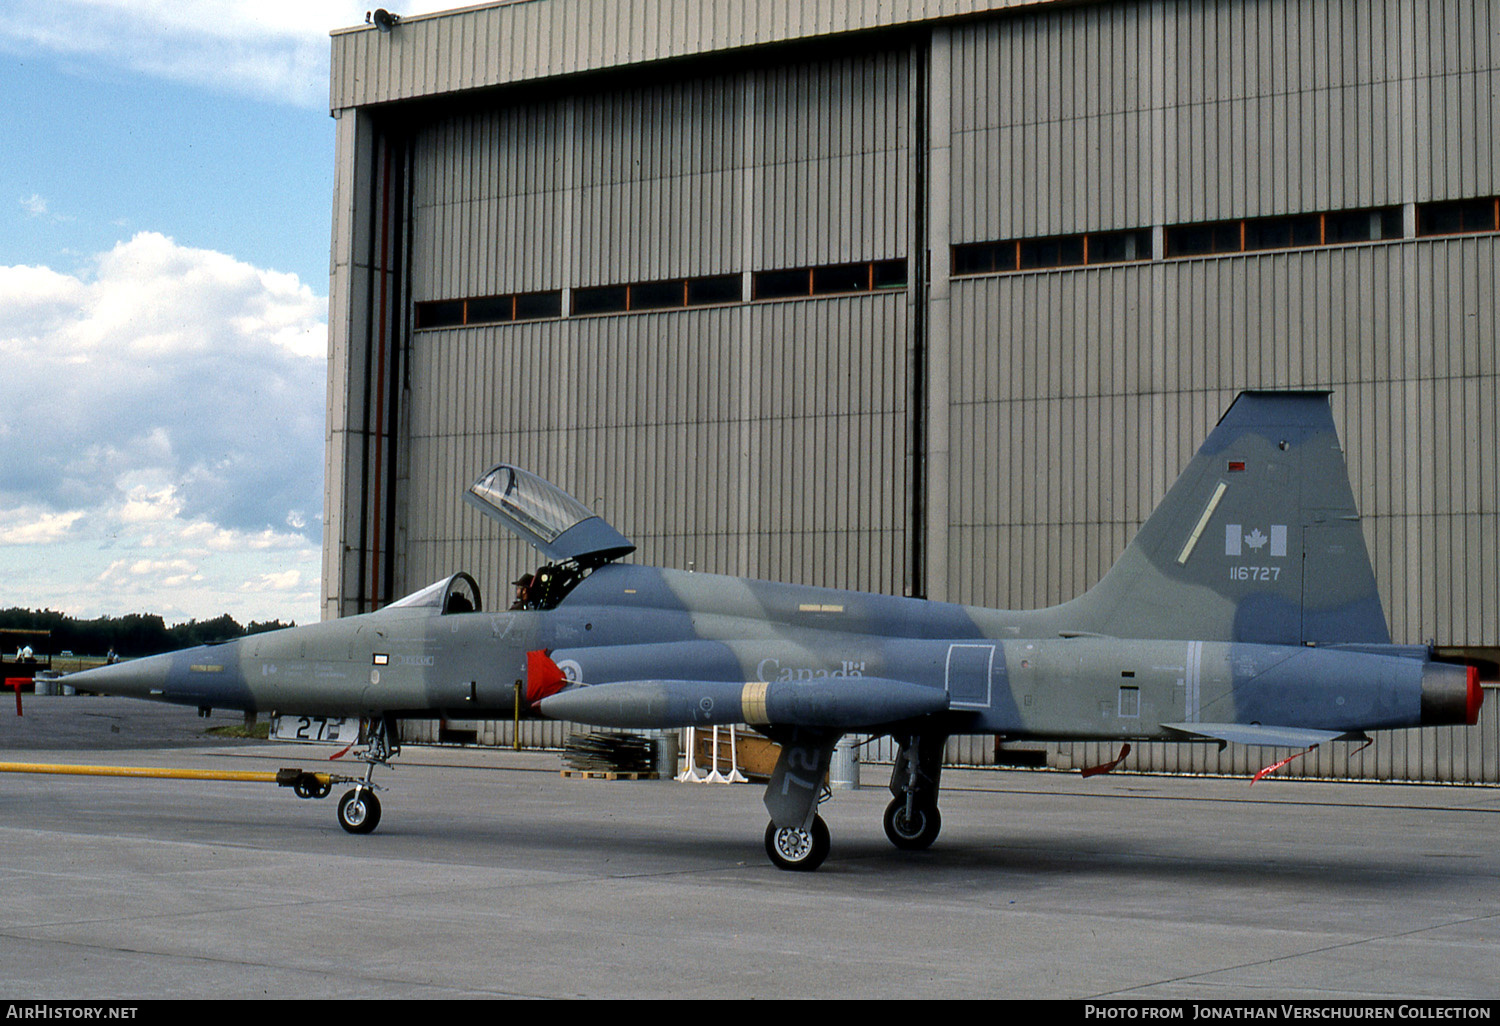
(546, 517)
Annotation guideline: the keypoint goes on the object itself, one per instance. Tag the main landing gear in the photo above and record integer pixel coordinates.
(797, 849)
(912, 821)
(797, 838)
(912, 829)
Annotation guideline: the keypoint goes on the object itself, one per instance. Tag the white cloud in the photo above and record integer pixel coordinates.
(286, 581)
(268, 49)
(33, 526)
(34, 205)
(163, 431)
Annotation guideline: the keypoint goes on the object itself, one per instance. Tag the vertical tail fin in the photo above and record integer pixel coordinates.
(1259, 540)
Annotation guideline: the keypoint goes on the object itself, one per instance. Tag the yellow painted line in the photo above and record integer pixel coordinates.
(154, 772)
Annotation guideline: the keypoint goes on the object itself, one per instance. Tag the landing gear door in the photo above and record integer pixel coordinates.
(546, 517)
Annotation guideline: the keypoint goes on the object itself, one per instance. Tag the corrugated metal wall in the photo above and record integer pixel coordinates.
(518, 40)
(1125, 114)
(717, 438)
(1094, 386)
(706, 452)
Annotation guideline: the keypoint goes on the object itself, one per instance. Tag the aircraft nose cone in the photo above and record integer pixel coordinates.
(136, 678)
(208, 676)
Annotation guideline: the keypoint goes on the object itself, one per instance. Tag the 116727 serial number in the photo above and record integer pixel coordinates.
(1255, 573)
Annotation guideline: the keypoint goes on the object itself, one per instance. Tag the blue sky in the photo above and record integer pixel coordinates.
(165, 207)
(110, 153)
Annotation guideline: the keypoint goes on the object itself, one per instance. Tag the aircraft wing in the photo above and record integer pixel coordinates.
(834, 703)
(1270, 736)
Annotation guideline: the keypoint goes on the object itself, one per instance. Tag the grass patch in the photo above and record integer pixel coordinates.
(255, 731)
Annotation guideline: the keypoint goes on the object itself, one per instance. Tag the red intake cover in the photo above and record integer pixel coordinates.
(543, 677)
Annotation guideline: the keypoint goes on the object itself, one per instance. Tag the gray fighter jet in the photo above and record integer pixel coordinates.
(1244, 611)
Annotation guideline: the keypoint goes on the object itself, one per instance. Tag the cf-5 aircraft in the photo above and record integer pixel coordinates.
(1244, 611)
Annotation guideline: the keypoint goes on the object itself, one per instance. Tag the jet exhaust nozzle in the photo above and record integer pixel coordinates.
(1451, 695)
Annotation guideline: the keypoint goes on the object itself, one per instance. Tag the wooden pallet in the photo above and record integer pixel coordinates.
(607, 775)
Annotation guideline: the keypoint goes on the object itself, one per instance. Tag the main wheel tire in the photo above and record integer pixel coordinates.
(359, 811)
(915, 832)
(798, 850)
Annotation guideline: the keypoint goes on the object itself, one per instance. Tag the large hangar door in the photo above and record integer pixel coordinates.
(764, 433)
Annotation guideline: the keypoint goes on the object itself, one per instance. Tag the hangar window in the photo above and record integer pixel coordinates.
(602, 299)
(722, 288)
(535, 306)
(1118, 247)
(1361, 225)
(1083, 249)
(830, 279)
(674, 293)
(656, 295)
(457, 313)
(1289, 231)
(1283, 232)
(783, 284)
(1454, 217)
(443, 314)
(1185, 240)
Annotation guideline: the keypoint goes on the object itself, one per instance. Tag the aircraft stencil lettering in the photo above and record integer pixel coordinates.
(1165, 647)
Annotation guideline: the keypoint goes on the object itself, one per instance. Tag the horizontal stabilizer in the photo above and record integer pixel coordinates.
(1264, 736)
(843, 703)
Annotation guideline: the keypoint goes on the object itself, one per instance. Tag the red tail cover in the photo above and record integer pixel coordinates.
(543, 677)
(1094, 771)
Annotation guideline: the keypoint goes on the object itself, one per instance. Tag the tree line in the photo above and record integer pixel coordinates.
(136, 634)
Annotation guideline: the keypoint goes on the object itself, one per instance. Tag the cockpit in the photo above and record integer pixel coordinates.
(547, 586)
(457, 594)
(573, 539)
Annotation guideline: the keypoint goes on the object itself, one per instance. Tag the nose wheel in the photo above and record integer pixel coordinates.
(359, 811)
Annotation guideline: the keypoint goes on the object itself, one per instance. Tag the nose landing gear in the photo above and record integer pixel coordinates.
(359, 810)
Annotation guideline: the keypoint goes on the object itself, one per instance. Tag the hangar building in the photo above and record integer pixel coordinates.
(924, 297)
